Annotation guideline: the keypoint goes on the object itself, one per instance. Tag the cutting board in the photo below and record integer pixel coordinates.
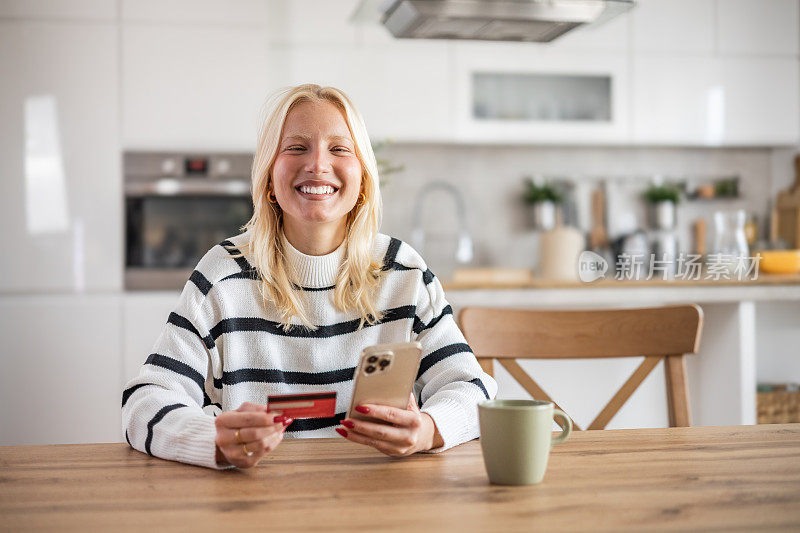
(787, 208)
(492, 276)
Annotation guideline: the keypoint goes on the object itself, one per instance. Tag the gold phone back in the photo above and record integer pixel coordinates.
(387, 383)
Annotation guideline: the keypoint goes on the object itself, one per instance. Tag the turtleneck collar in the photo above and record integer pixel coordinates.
(313, 271)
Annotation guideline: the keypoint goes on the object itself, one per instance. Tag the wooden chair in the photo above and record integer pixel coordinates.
(656, 333)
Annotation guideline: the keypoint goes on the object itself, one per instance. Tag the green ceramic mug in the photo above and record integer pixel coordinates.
(516, 437)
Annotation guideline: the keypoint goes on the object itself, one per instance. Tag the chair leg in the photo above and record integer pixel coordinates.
(677, 391)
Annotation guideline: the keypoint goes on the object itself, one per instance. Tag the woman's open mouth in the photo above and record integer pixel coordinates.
(316, 193)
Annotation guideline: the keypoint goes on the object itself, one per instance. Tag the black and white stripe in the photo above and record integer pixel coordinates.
(221, 348)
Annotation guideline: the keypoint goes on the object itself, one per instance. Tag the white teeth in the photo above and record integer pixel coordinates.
(325, 189)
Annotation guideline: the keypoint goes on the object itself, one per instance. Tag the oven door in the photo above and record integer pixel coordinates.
(167, 235)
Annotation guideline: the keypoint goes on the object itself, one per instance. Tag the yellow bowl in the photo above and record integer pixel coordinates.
(780, 261)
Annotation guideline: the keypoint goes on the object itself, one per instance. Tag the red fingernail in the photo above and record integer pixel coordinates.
(279, 418)
(348, 423)
(362, 409)
(287, 421)
(341, 432)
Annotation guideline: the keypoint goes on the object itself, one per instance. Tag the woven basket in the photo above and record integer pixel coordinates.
(778, 407)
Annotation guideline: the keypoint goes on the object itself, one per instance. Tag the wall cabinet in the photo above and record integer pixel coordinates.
(402, 90)
(673, 26)
(193, 87)
(710, 100)
(509, 92)
(760, 27)
(61, 186)
(685, 72)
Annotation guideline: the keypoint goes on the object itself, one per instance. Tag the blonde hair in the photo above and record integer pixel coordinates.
(359, 275)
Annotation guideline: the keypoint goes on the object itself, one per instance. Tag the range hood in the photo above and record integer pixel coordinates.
(489, 20)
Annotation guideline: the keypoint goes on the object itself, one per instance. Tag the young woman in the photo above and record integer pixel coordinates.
(288, 305)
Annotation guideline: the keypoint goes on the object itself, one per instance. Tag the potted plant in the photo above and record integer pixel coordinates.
(543, 199)
(662, 199)
(386, 167)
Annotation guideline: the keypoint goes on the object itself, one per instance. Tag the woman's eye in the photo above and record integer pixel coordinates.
(340, 149)
(295, 147)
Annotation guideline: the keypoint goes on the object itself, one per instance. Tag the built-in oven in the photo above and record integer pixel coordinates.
(177, 207)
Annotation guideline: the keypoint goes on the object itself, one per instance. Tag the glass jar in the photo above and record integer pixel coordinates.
(730, 239)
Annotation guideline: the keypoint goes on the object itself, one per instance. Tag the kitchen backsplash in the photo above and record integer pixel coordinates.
(491, 179)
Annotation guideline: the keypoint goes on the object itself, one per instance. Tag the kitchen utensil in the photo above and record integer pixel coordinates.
(598, 238)
(780, 261)
(598, 235)
(699, 229)
(635, 251)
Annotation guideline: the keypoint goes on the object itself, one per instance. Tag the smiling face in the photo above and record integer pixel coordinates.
(316, 175)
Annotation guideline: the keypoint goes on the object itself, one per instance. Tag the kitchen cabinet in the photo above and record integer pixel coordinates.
(314, 22)
(403, 90)
(61, 186)
(762, 27)
(194, 86)
(61, 369)
(247, 13)
(673, 26)
(711, 100)
(96, 10)
(144, 315)
(599, 81)
(610, 36)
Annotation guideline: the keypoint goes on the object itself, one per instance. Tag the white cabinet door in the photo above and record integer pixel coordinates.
(196, 87)
(402, 89)
(677, 100)
(610, 36)
(61, 369)
(314, 22)
(61, 186)
(715, 101)
(753, 27)
(762, 98)
(474, 59)
(143, 317)
(673, 26)
(201, 13)
(55, 9)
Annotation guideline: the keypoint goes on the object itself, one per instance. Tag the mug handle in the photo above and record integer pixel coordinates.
(565, 432)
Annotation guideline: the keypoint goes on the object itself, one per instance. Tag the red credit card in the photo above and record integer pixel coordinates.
(305, 405)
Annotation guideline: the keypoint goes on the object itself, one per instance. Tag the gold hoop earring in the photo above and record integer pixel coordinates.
(362, 198)
(271, 198)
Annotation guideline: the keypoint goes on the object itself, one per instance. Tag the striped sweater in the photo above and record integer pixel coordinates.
(220, 348)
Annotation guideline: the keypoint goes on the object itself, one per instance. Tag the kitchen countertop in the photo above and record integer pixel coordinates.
(621, 293)
(763, 280)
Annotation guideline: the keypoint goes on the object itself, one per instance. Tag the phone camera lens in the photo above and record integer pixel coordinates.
(370, 369)
(384, 363)
(372, 358)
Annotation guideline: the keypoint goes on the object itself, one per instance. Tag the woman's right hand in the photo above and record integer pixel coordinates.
(260, 430)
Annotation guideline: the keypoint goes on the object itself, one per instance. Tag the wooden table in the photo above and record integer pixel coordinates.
(728, 478)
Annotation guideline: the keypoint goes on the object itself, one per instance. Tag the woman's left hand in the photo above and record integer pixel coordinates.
(410, 431)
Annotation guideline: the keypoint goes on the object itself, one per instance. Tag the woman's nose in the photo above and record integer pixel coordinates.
(319, 161)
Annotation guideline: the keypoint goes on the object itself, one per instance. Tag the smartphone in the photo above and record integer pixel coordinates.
(385, 375)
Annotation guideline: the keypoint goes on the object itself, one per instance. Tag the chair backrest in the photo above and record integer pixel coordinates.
(656, 333)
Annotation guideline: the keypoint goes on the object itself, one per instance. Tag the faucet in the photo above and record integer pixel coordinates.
(464, 250)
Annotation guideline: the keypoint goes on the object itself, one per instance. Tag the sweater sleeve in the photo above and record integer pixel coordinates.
(166, 411)
(450, 382)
